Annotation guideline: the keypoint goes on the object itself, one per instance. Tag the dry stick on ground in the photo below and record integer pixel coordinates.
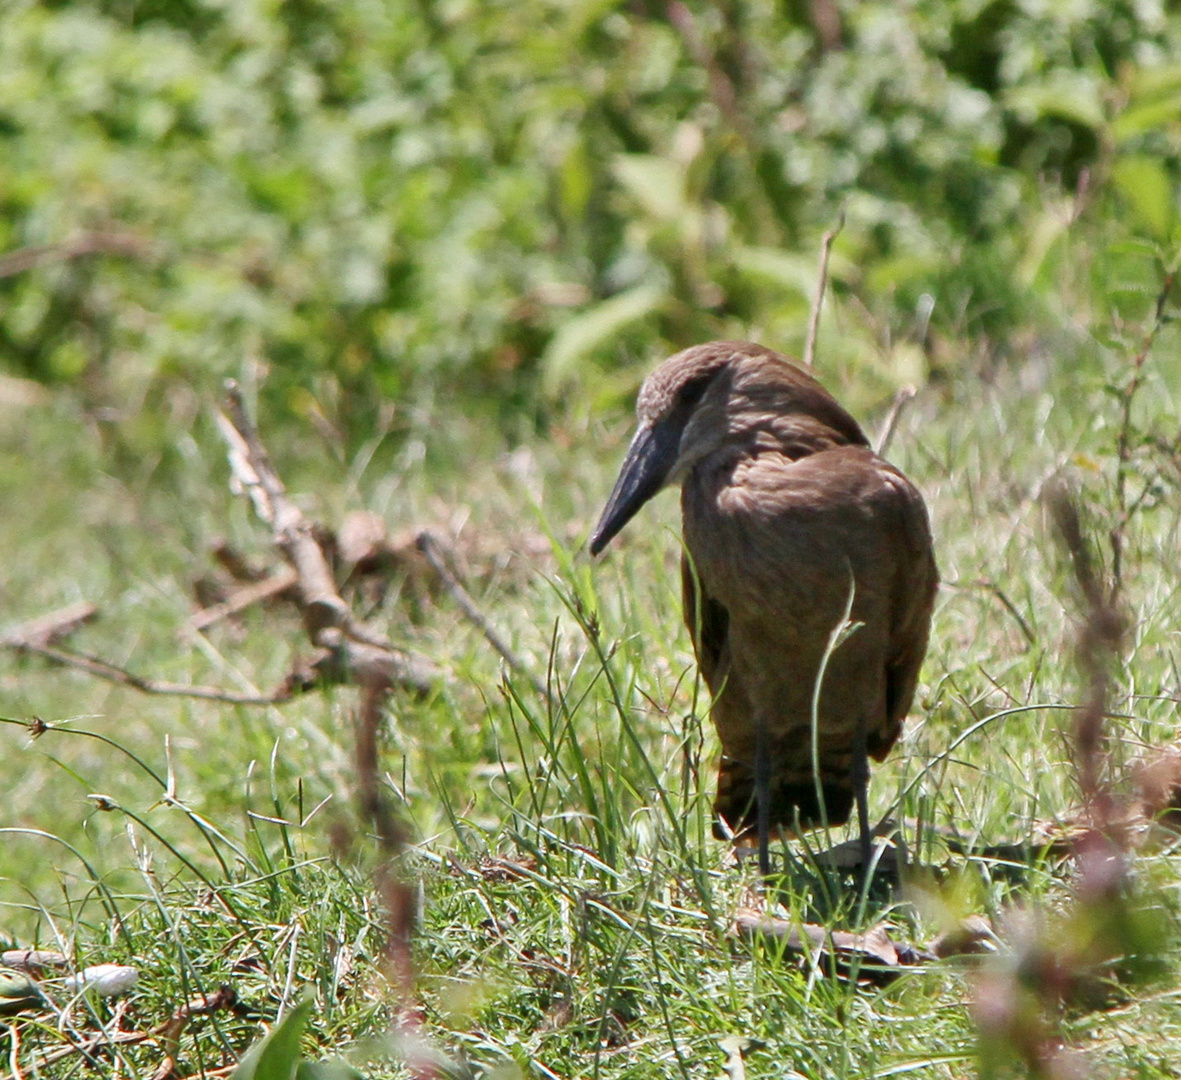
(349, 652)
(46, 629)
(274, 585)
(37, 636)
(821, 285)
(433, 553)
(101, 669)
(172, 1029)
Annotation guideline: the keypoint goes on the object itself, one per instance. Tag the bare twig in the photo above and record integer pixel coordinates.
(1100, 636)
(172, 1029)
(89, 243)
(821, 285)
(167, 1033)
(904, 396)
(98, 1042)
(432, 551)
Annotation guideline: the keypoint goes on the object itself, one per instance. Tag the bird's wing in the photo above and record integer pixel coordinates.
(917, 579)
(708, 622)
(778, 544)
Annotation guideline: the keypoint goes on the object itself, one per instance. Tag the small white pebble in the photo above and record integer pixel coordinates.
(107, 980)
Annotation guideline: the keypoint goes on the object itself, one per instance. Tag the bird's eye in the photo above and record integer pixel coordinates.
(691, 393)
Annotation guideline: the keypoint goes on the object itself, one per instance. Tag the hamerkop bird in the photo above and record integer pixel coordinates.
(794, 531)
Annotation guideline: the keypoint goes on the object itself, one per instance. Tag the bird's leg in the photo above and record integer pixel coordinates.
(763, 795)
(859, 767)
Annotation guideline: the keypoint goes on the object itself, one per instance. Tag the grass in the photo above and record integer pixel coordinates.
(575, 914)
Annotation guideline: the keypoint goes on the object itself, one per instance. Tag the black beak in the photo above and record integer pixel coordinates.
(650, 458)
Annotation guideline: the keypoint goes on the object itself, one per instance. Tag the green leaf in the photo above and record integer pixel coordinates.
(656, 183)
(1072, 96)
(1154, 100)
(1145, 184)
(1147, 116)
(17, 992)
(277, 1055)
(787, 269)
(578, 338)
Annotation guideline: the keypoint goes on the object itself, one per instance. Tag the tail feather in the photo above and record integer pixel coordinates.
(792, 800)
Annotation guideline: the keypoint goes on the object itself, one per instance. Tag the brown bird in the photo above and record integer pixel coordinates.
(808, 578)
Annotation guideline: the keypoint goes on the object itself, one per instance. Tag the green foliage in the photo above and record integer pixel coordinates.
(278, 1055)
(381, 199)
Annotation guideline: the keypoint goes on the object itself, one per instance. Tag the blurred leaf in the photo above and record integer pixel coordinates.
(787, 269)
(582, 335)
(277, 1055)
(1139, 118)
(656, 183)
(1148, 190)
(1070, 95)
(1154, 99)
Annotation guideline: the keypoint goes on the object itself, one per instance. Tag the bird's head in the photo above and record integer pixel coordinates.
(703, 397)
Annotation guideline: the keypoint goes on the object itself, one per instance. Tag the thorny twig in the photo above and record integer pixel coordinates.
(395, 894)
(1123, 447)
(433, 553)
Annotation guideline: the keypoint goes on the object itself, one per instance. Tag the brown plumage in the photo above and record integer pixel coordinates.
(791, 523)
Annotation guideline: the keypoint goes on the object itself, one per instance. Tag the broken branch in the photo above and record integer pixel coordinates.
(357, 654)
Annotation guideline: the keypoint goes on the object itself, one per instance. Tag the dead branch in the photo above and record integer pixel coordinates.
(432, 551)
(357, 652)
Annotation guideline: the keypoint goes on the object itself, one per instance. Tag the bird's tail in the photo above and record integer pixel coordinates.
(790, 801)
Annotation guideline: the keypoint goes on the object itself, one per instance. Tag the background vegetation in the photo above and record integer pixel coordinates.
(439, 244)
